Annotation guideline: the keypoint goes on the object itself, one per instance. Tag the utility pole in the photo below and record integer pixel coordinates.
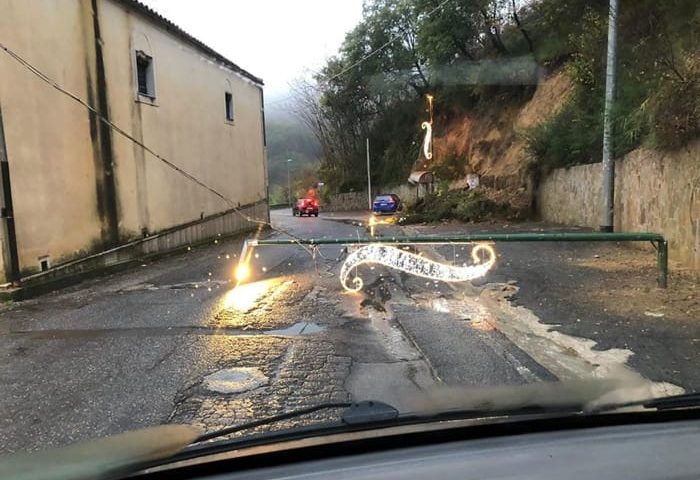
(607, 220)
(369, 180)
(289, 185)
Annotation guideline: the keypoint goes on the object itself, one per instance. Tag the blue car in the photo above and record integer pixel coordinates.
(386, 203)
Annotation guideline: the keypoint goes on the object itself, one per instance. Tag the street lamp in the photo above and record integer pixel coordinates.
(289, 185)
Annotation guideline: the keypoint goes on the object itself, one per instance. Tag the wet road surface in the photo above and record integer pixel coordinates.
(174, 341)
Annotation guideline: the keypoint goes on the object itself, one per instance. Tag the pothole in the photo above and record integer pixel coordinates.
(299, 328)
(235, 380)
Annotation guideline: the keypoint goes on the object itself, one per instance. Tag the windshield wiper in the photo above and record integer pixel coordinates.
(368, 412)
(684, 400)
(268, 420)
(354, 414)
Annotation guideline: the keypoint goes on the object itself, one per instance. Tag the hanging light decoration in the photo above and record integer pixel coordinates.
(427, 142)
(413, 264)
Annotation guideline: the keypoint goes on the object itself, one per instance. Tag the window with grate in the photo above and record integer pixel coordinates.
(144, 75)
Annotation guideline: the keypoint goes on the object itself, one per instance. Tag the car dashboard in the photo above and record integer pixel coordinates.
(639, 451)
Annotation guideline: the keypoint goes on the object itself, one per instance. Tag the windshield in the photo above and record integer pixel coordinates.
(194, 227)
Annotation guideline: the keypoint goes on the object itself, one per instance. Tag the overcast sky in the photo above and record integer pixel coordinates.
(278, 40)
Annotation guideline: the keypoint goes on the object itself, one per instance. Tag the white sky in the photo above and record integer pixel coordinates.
(278, 40)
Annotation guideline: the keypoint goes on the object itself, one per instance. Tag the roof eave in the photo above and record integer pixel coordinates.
(143, 9)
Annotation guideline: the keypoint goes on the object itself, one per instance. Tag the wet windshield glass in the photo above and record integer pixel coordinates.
(215, 212)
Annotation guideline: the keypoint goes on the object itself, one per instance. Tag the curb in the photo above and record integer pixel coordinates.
(37, 287)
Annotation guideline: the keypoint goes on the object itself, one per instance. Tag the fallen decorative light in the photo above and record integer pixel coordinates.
(398, 259)
(242, 270)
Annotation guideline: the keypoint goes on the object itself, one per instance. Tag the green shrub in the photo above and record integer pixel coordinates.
(466, 206)
(572, 137)
(676, 113)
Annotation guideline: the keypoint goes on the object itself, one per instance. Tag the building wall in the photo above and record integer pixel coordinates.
(60, 158)
(654, 191)
(186, 125)
(49, 143)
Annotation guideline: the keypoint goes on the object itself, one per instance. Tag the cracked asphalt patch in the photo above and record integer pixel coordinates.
(301, 373)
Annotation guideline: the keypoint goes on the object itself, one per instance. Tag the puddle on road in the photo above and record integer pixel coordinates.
(299, 328)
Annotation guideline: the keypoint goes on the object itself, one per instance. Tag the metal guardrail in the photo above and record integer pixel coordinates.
(656, 239)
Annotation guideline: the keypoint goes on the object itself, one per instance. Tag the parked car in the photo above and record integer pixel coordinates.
(308, 206)
(386, 203)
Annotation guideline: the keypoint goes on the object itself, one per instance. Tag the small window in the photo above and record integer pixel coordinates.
(228, 99)
(144, 75)
(44, 263)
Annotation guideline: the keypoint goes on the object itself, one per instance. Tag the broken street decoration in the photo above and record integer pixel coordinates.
(413, 264)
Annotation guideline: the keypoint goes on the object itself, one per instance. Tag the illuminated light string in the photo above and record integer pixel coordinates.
(413, 264)
(427, 143)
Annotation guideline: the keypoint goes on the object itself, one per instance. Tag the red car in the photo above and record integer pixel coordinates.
(308, 206)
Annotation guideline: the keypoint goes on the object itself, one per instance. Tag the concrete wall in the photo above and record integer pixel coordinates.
(217, 226)
(654, 191)
(78, 187)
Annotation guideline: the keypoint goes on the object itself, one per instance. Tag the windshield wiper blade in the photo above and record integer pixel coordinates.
(369, 412)
(268, 420)
(684, 400)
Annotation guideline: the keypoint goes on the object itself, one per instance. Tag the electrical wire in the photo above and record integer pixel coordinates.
(385, 45)
(51, 82)
(364, 58)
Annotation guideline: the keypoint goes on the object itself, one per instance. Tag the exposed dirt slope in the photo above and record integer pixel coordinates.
(490, 142)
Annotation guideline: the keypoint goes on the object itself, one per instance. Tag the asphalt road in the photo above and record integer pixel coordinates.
(174, 341)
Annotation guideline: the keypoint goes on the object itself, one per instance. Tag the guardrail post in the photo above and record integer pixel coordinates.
(662, 259)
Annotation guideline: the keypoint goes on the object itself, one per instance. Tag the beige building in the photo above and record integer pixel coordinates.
(76, 185)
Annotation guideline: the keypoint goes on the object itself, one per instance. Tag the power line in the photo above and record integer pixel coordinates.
(391, 40)
(374, 52)
(125, 134)
(112, 125)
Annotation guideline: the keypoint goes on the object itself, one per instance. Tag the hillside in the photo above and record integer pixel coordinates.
(490, 141)
(518, 89)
